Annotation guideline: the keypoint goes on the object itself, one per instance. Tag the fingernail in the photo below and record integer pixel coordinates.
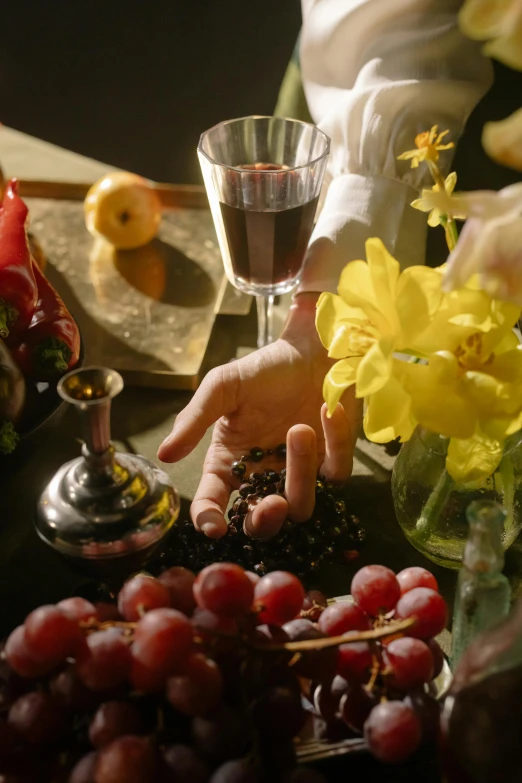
(301, 441)
(210, 523)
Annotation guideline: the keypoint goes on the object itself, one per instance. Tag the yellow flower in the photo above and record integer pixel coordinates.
(500, 23)
(377, 313)
(471, 387)
(424, 204)
(503, 140)
(428, 146)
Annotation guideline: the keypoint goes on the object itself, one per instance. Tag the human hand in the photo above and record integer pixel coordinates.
(258, 401)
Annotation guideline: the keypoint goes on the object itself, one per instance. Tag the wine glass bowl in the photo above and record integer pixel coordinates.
(263, 177)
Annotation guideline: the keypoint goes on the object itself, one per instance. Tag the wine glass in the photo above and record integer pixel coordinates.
(263, 176)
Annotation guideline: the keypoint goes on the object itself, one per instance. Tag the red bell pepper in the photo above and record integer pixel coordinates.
(18, 291)
(51, 345)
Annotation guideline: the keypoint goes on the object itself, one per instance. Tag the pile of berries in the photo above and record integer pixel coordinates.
(332, 534)
(202, 679)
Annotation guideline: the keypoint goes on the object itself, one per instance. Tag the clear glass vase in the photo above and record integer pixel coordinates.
(431, 507)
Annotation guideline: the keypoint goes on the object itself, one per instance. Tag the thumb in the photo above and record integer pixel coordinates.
(215, 397)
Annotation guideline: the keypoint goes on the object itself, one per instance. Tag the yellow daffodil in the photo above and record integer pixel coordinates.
(425, 205)
(499, 22)
(503, 140)
(470, 389)
(377, 313)
(428, 145)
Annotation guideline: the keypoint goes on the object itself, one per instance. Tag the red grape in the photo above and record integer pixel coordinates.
(429, 609)
(254, 578)
(280, 596)
(36, 717)
(105, 661)
(130, 759)
(438, 657)
(354, 661)
(392, 731)
(224, 588)
(179, 582)
(313, 605)
(203, 620)
(315, 664)
(185, 765)
(111, 720)
(162, 640)
(278, 714)
(144, 679)
(410, 661)
(355, 707)
(141, 594)
(221, 736)
(341, 617)
(71, 692)
(8, 738)
(85, 769)
(53, 634)
(236, 771)
(21, 658)
(77, 609)
(198, 689)
(416, 576)
(427, 710)
(107, 612)
(326, 703)
(375, 589)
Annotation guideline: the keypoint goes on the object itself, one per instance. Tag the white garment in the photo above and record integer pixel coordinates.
(376, 73)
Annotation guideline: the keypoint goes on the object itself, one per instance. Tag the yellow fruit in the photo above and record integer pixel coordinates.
(123, 208)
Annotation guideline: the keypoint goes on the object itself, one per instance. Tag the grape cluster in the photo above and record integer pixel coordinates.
(380, 686)
(200, 679)
(331, 534)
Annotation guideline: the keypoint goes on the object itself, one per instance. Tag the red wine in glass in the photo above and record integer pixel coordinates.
(263, 176)
(267, 247)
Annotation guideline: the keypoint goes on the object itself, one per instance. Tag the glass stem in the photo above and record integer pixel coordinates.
(265, 317)
(433, 506)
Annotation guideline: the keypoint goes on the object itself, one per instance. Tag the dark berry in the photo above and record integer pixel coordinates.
(238, 469)
(256, 454)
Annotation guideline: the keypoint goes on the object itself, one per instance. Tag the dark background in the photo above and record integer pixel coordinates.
(134, 83)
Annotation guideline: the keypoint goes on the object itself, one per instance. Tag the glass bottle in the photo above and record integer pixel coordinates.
(481, 737)
(483, 592)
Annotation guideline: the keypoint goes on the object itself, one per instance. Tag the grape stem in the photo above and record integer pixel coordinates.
(352, 636)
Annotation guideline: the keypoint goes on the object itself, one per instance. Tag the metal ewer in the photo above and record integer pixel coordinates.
(105, 509)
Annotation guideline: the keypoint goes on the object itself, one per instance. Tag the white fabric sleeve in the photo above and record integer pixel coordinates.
(375, 74)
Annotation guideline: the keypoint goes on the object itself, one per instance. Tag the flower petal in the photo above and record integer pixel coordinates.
(503, 140)
(372, 286)
(339, 378)
(418, 299)
(436, 399)
(388, 415)
(334, 320)
(473, 458)
(375, 368)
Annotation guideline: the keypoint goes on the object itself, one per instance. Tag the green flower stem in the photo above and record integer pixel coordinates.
(433, 507)
(506, 476)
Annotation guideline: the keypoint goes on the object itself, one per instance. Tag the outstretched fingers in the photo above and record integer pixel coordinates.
(215, 397)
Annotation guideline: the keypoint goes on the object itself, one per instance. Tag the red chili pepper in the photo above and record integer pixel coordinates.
(51, 345)
(18, 291)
